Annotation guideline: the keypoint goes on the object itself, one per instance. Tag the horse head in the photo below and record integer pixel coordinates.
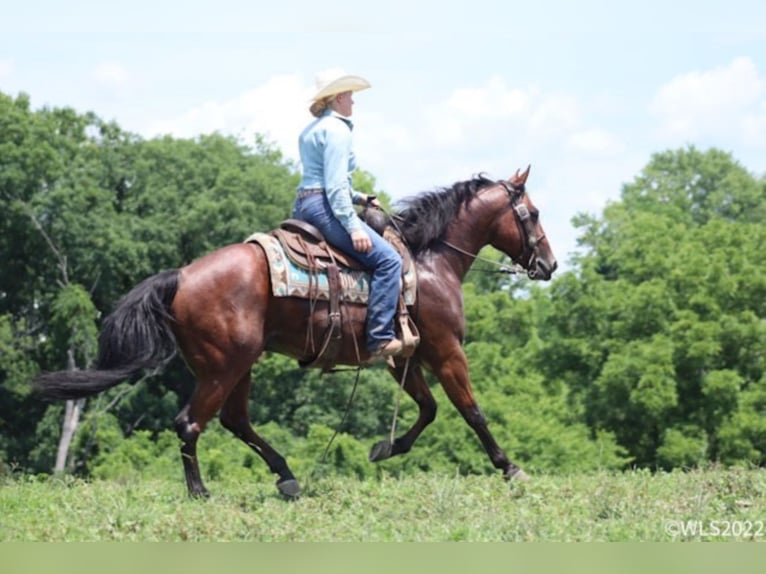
(517, 230)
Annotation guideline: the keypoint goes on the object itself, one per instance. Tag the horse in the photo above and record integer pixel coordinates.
(219, 313)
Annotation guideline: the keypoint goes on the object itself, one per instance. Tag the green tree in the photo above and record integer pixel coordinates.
(16, 402)
(87, 211)
(660, 328)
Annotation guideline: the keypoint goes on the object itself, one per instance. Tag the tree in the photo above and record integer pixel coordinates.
(658, 330)
(87, 211)
(16, 403)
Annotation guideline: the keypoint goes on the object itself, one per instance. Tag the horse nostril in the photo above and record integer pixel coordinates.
(545, 269)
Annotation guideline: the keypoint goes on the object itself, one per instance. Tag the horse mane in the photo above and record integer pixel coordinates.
(426, 216)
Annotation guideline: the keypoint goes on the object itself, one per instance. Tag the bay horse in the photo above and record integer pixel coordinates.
(220, 313)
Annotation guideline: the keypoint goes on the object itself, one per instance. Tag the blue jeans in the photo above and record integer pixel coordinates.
(382, 260)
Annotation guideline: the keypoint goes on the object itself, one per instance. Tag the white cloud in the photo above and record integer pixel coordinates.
(555, 115)
(595, 141)
(379, 136)
(6, 69)
(473, 113)
(277, 109)
(495, 100)
(754, 127)
(723, 102)
(323, 77)
(111, 75)
(497, 128)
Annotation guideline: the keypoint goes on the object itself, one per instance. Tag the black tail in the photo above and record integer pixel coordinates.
(134, 338)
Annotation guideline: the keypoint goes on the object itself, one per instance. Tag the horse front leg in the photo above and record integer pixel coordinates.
(452, 372)
(415, 386)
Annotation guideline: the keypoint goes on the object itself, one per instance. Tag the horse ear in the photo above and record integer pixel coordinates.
(520, 179)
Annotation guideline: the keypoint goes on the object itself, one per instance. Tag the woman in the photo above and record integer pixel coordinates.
(326, 200)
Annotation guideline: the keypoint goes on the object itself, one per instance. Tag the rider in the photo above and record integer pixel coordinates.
(325, 199)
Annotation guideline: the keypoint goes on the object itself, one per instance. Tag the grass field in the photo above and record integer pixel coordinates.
(710, 504)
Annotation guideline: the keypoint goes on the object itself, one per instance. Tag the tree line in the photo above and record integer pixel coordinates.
(649, 352)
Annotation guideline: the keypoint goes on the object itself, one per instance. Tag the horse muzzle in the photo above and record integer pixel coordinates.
(541, 270)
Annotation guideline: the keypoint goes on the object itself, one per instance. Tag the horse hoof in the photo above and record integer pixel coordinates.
(289, 488)
(518, 475)
(381, 451)
(199, 494)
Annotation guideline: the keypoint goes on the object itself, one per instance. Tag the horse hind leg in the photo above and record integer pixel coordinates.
(206, 400)
(188, 431)
(235, 418)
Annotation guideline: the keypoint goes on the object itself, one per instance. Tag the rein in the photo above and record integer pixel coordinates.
(501, 268)
(349, 404)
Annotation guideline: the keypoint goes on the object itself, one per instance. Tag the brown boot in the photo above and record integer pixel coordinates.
(389, 349)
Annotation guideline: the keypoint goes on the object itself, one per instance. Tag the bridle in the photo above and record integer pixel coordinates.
(527, 227)
(528, 234)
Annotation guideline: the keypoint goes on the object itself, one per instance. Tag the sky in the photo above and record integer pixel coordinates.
(584, 92)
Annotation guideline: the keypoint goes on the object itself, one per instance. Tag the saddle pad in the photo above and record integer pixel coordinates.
(289, 280)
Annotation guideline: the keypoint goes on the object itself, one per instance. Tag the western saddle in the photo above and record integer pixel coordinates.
(307, 248)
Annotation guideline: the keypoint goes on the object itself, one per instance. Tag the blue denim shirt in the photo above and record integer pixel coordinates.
(328, 160)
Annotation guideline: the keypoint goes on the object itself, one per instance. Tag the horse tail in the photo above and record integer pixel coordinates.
(134, 338)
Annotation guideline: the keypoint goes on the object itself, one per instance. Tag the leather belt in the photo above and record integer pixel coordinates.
(305, 192)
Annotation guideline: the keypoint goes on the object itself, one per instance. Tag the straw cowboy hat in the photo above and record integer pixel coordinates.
(331, 84)
(337, 84)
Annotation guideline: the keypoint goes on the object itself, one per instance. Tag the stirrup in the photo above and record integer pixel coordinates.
(392, 348)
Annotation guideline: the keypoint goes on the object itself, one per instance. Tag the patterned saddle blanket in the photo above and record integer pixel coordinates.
(289, 279)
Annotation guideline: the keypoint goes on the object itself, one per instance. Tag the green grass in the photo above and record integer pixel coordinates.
(630, 506)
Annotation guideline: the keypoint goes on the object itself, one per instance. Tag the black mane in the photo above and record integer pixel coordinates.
(425, 217)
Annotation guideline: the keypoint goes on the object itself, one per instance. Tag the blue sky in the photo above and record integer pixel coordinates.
(584, 91)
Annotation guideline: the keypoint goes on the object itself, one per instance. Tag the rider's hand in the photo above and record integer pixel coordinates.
(372, 201)
(361, 241)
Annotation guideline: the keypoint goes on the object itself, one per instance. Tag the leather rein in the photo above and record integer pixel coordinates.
(528, 234)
